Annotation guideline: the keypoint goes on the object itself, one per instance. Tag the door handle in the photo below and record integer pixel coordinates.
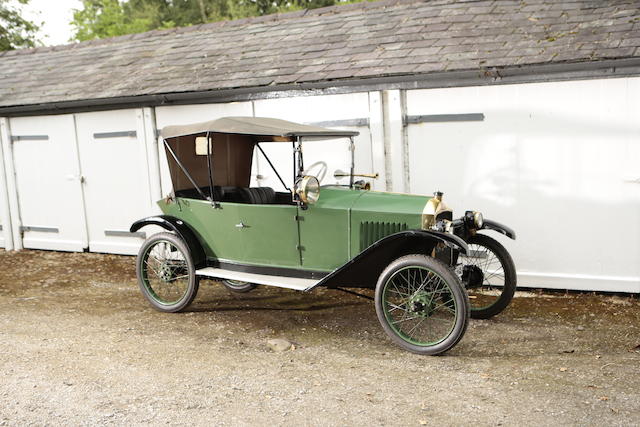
(241, 225)
(632, 180)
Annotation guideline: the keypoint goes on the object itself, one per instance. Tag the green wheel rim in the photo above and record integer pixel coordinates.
(165, 272)
(236, 283)
(419, 306)
(483, 296)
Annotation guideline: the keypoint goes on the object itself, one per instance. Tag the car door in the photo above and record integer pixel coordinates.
(215, 227)
(325, 229)
(269, 235)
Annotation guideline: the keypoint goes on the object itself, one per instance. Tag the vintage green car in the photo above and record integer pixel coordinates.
(420, 261)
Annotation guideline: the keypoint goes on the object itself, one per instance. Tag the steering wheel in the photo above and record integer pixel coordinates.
(321, 172)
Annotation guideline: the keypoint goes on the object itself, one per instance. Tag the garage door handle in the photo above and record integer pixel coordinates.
(241, 225)
(632, 181)
(76, 178)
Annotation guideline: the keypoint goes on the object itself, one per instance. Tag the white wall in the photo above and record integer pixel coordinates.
(558, 162)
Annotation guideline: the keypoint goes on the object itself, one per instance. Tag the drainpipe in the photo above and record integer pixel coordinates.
(9, 192)
(394, 140)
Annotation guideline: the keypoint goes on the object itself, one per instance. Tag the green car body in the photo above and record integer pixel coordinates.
(321, 237)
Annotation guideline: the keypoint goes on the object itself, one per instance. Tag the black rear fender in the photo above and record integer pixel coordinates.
(363, 270)
(179, 227)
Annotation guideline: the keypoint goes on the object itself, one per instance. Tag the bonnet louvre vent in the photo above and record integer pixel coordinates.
(371, 232)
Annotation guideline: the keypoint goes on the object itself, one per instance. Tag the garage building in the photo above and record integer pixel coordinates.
(528, 112)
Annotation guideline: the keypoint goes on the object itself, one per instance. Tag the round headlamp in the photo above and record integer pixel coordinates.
(473, 220)
(478, 220)
(308, 189)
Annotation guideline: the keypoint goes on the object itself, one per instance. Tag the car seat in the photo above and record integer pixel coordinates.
(257, 195)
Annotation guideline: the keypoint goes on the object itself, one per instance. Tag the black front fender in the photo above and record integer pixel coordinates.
(179, 227)
(500, 228)
(449, 239)
(363, 270)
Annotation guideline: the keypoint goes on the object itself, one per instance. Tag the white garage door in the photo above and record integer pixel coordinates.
(48, 182)
(117, 188)
(559, 162)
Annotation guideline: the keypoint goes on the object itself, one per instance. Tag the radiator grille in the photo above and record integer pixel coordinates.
(371, 232)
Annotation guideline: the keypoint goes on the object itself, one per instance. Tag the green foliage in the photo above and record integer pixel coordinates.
(15, 31)
(108, 18)
(265, 7)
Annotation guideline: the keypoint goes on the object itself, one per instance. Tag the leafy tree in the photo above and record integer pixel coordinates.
(15, 31)
(265, 7)
(107, 18)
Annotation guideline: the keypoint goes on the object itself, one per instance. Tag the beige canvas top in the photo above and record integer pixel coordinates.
(261, 126)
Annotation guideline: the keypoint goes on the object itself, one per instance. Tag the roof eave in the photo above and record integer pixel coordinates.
(607, 68)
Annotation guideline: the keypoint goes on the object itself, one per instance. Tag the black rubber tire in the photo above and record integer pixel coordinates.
(193, 281)
(459, 297)
(238, 287)
(510, 277)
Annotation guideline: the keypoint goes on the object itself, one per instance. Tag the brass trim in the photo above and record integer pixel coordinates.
(432, 208)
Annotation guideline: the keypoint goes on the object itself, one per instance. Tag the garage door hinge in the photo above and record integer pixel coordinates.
(300, 247)
(108, 135)
(16, 138)
(38, 229)
(299, 218)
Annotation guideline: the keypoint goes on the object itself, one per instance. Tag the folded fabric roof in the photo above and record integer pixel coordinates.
(261, 126)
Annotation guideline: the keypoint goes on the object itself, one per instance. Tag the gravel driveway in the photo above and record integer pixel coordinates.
(79, 345)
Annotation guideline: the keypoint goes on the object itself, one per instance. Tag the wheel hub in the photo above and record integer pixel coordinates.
(421, 304)
(165, 272)
(472, 276)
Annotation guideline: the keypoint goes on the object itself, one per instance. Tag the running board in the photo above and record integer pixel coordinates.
(259, 279)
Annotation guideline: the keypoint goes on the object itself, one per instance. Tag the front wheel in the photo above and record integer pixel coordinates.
(166, 273)
(421, 305)
(489, 275)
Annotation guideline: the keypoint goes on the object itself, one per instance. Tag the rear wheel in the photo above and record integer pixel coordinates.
(421, 305)
(238, 286)
(489, 275)
(166, 273)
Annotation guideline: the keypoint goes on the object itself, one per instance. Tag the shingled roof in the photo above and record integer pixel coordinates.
(335, 44)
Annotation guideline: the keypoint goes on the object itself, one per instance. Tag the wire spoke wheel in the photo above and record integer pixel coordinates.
(164, 270)
(166, 274)
(238, 286)
(488, 274)
(421, 305)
